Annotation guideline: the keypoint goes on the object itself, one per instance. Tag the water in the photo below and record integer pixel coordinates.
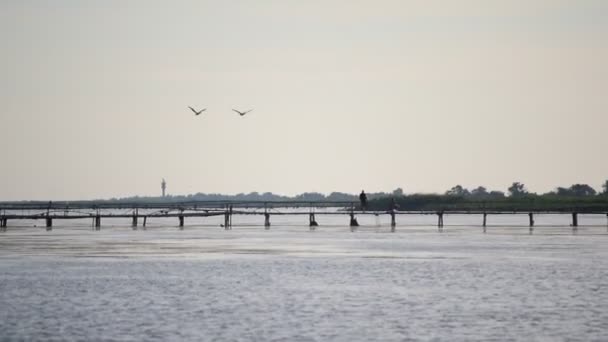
(287, 283)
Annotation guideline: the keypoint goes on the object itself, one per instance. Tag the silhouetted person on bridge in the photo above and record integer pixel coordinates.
(363, 200)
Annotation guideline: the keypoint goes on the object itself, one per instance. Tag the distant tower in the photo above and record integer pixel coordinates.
(163, 186)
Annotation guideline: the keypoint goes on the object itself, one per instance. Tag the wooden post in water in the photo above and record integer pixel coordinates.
(353, 220)
(98, 222)
(226, 220)
(144, 224)
(485, 216)
(312, 222)
(393, 221)
(574, 222)
(440, 221)
(134, 223)
(3, 224)
(49, 220)
(266, 217)
(180, 218)
(230, 217)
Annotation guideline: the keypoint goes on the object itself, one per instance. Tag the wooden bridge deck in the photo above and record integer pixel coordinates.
(96, 211)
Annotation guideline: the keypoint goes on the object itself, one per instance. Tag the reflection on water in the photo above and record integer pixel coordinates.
(204, 283)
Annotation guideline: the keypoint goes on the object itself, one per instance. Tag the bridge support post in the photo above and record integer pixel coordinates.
(485, 217)
(134, 222)
(312, 222)
(98, 222)
(393, 221)
(531, 222)
(228, 218)
(574, 222)
(181, 222)
(353, 221)
(3, 224)
(266, 217)
(144, 224)
(440, 221)
(266, 221)
(49, 224)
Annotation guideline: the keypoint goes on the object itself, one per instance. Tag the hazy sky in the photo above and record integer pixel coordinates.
(347, 95)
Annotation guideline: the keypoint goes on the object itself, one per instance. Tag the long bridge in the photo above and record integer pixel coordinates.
(96, 211)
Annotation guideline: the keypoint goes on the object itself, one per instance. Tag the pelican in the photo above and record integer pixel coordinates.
(242, 113)
(199, 112)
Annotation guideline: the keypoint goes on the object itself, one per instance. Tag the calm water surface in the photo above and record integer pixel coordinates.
(248, 284)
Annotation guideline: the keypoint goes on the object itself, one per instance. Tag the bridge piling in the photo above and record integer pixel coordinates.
(3, 224)
(440, 221)
(531, 220)
(228, 218)
(312, 222)
(49, 223)
(531, 223)
(266, 217)
(134, 222)
(98, 222)
(181, 222)
(574, 222)
(353, 221)
(485, 216)
(145, 219)
(393, 221)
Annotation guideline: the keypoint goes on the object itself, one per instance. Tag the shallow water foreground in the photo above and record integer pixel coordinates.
(288, 284)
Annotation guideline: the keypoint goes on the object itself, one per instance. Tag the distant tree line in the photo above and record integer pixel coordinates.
(258, 197)
(581, 196)
(518, 189)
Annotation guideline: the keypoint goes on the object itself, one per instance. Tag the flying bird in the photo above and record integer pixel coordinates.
(199, 112)
(242, 113)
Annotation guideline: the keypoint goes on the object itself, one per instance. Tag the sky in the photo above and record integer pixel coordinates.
(346, 95)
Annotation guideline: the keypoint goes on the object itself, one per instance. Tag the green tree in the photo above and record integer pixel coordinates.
(582, 190)
(496, 194)
(577, 190)
(517, 190)
(457, 190)
(480, 191)
(398, 192)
